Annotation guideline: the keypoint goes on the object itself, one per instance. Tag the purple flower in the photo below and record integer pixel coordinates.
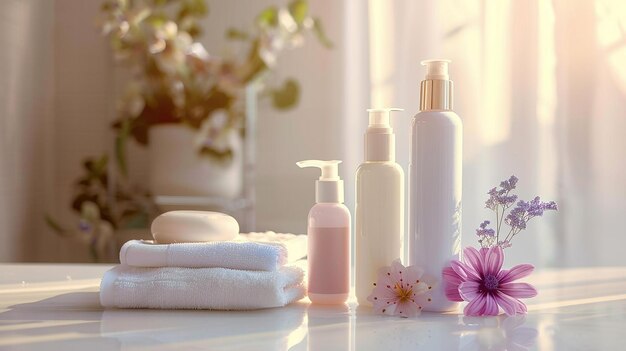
(480, 280)
(525, 211)
(84, 226)
(509, 184)
(483, 230)
(486, 236)
(552, 206)
(500, 199)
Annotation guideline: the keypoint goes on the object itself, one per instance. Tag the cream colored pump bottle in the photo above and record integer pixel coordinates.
(379, 221)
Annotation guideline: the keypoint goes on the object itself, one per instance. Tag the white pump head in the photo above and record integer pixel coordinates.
(380, 142)
(436, 69)
(380, 117)
(436, 88)
(329, 187)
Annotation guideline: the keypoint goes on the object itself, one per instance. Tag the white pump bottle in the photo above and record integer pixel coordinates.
(435, 181)
(379, 223)
(328, 237)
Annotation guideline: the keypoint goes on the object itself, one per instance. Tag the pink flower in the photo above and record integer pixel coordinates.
(400, 290)
(481, 281)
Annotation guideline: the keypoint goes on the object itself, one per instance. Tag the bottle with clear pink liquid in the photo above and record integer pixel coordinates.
(328, 237)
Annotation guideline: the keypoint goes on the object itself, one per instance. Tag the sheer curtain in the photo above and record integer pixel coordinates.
(26, 107)
(540, 86)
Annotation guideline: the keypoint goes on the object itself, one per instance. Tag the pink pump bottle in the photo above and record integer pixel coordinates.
(328, 237)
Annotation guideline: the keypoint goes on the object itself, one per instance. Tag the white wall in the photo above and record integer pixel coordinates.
(84, 107)
(56, 99)
(26, 111)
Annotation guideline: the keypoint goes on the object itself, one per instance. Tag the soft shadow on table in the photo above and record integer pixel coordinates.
(269, 329)
(65, 321)
(74, 320)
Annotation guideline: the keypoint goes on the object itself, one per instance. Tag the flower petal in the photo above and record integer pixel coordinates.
(451, 276)
(397, 269)
(424, 297)
(517, 272)
(407, 309)
(452, 293)
(413, 274)
(380, 299)
(491, 306)
(464, 270)
(494, 261)
(521, 308)
(389, 310)
(509, 304)
(459, 268)
(469, 290)
(518, 290)
(451, 281)
(476, 306)
(473, 258)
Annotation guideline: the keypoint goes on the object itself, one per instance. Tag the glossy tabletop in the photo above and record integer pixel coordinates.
(55, 307)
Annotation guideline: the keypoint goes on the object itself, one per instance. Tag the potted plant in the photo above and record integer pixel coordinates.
(186, 104)
(182, 102)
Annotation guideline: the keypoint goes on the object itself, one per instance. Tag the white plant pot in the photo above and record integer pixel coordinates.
(177, 169)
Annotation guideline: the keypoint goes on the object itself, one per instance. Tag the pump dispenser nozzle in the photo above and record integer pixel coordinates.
(436, 88)
(436, 69)
(381, 117)
(380, 142)
(329, 187)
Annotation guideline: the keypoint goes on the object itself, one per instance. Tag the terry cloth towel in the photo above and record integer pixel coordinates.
(200, 288)
(254, 251)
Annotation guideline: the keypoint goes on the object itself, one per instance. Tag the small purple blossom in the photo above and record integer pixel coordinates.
(84, 226)
(509, 184)
(524, 212)
(500, 199)
(486, 236)
(500, 196)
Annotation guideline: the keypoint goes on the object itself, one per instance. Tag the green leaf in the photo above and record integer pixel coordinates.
(192, 8)
(286, 96)
(54, 225)
(268, 17)
(99, 169)
(120, 146)
(93, 252)
(194, 30)
(221, 156)
(299, 10)
(318, 29)
(236, 34)
(156, 19)
(137, 221)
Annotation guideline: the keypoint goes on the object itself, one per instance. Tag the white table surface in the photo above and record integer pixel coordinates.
(55, 307)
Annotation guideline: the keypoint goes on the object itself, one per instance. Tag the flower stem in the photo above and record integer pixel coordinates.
(497, 224)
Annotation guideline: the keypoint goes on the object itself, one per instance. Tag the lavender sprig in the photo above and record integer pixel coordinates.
(500, 199)
(487, 236)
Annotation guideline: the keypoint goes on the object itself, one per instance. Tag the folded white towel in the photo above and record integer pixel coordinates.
(254, 251)
(200, 288)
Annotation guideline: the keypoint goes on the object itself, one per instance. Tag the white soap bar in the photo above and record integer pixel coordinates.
(193, 226)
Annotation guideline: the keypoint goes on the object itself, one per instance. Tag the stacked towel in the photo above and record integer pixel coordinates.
(255, 271)
(254, 251)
